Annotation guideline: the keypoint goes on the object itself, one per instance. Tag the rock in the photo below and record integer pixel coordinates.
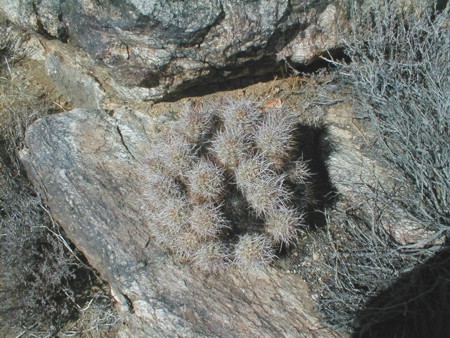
(360, 178)
(154, 49)
(85, 163)
(322, 35)
(84, 90)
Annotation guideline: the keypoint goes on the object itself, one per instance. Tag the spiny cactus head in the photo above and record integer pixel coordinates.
(153, 162)
(211, 256)
(299, 172)
(250, 171)
(283, 224)
(174, 213)
(274, 138)
(159, 187)
(176, 153)
(241, 116)
(195, 123)
(167, 221)
(267, 194)
(207, 221)
(187, 243)
(253, 251)
(206, 182)
(229, 147)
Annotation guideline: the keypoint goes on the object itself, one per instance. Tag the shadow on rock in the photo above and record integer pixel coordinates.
(315, 149)
(417, 305)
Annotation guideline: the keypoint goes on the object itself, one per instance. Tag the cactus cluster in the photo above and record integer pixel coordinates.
(222, 185)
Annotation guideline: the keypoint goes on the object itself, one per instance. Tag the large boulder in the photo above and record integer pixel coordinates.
(85, 163)
(154, 49)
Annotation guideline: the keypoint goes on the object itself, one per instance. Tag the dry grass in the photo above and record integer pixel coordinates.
(45, 284)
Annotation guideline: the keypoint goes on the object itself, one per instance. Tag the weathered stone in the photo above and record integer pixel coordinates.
(322, 35)
(152, 49)
(84, 163)
(81, 89)
(360, 178)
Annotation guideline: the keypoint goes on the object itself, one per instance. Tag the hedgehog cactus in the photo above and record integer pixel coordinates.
(220, 185)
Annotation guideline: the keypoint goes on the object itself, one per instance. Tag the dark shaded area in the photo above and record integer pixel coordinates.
(236, 207)
(320, 193)
(63, 30)
(150, 80)
(441, 4)
(227, 79)
(263, 70)
(416, 305)
(319, 63)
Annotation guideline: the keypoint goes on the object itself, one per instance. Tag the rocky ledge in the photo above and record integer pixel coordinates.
(155, 49)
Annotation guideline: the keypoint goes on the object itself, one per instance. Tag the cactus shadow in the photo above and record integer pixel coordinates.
(312, 145)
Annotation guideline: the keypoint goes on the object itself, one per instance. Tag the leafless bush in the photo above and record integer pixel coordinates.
(398, 70)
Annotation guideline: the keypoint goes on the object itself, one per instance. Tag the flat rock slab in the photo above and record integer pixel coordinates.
(86, 164)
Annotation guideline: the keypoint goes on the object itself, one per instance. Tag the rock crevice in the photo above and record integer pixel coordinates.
(153, 49)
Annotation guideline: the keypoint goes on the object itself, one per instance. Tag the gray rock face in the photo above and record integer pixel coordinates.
(85, 165)
(151, 49)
